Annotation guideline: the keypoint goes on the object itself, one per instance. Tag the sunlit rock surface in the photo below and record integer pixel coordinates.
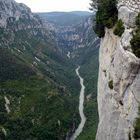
(118, 107)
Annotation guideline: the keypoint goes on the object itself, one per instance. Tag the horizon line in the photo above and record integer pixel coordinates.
(65, 11)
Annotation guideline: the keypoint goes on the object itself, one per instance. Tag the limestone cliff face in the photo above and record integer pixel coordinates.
(11, 11)
(118, 107)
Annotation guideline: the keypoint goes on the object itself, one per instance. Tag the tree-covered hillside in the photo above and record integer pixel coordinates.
(34, 80)
(38, 85)
(39, 89)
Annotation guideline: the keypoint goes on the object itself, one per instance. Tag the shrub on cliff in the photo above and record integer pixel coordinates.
(138, 21)
(119, 28)
(110, 84)
(135, 45)
(135, 41)
(137, 127)
(106, 16)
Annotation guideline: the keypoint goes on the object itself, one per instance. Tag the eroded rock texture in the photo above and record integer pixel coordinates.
(118, 107)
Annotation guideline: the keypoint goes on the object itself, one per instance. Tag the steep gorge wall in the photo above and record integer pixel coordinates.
(118, 107)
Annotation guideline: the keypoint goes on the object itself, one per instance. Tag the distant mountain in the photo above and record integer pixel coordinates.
(65, 18)
(78, 13)
(82, 13)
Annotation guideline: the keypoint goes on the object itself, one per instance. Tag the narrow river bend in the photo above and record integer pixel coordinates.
(81, 107)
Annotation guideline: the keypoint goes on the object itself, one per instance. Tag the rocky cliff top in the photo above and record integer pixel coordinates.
(133, 5)
(128, 10)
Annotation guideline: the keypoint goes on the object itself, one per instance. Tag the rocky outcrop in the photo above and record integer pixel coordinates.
(133, 5)
(10, 11)
(118, 107)
(78, 36)
(16, 19)
(128, 10)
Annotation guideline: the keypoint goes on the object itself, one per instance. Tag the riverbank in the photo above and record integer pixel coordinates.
(81, 107)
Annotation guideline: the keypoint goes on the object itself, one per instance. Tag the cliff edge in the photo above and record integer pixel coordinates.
(119, 79)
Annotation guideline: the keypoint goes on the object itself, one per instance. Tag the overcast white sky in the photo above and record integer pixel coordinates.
(56, 5)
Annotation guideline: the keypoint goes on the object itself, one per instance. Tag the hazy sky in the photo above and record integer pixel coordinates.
(56, 5)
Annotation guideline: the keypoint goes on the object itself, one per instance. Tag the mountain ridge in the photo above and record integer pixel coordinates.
(65, 18)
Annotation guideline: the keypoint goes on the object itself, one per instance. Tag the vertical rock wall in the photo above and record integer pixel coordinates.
(118, 107)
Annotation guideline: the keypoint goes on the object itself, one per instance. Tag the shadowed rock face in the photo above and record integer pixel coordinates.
(118, 107)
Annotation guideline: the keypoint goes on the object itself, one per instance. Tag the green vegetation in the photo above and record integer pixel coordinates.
(119, 28)
(135, 45)
(11, 68)
(135, 41)
(138, 21)
(137, 127)
(36, 102)
(36, 107)
(110, 84)
(40, 83)
(106, 16)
